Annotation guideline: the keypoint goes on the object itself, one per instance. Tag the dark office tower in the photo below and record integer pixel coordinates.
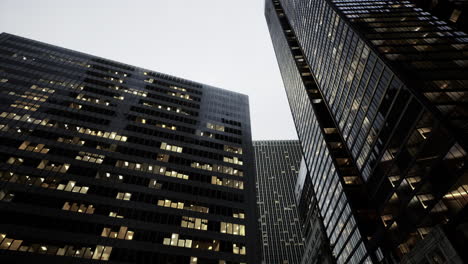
(454, 12)
(316, 244)
(378, 93)
(277, 163)
(106, 162)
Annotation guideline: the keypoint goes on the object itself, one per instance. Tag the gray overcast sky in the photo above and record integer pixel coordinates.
(223, 43)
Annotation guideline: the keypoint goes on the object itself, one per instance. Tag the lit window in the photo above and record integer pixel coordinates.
(123, 196)
(455, 15)
(15, 161)
(80, 208)
(173, 148)
(51, 166)
(123, 233)
(90, 157)
(233, 229)
(114, 214)
(194, 223)
(238, 249)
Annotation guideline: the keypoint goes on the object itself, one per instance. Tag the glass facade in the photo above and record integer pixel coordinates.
(378, 95)
(316, 244)
(103, 161)
(277, 164)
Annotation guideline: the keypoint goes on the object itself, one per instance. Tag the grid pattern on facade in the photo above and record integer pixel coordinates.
(316, 244)
(105, 161)
(389, 102)
(340, 223)
(277, 165)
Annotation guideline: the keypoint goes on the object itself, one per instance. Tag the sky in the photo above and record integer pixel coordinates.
(222, 43)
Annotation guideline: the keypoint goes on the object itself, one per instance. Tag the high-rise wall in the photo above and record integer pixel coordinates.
(103, 161)
(378, 95)
(316, 244)
(277, 164)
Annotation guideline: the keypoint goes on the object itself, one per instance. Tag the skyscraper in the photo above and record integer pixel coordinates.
(103, 161)
(316, 244)
(277, 164)
(378, 95)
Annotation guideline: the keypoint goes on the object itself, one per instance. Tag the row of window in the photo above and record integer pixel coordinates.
(97, 158)
(118, 231)
(97, 253)
(176, 241)
(187, 222)
(56, 183)
(46, 122)
(122, 233)
(167, 108)
(115, 136)
(149, 168)
(217, 168)
(118, 80)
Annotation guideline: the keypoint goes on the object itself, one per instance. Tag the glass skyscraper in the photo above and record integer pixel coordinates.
(316, 244)
(378, 93)
(106, 162)
(277, 164)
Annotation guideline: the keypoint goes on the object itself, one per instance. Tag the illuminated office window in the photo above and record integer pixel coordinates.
(174, 148)
(123, 196)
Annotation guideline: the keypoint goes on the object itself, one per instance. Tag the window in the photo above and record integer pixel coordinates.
(215, 127)
(237, 249)
(102, 252)
(174, 148)
(455, 15)
(53, 166)
(153, 183)
(180, 205)
(72, 187)
(90, 157)
(80, 208)
(25, 105)
(6, 196)
(15, 161)
(175, 174)
(74, 140)
(425, 199)
(217, 168)
(180, 95)
(239, 215)
(162, 157)
(236, 150)
(233, 160)
(123, 196)
(176, 242)
(194, 223)
(233, 229)
(123, 233)
(227, 182)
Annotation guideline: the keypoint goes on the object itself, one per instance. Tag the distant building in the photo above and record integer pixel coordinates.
(436, 247)
(316, 244)
(106, 162)
(378, 91)
(453, 12)
(277, 164)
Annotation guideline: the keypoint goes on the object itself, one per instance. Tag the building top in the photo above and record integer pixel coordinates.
(123, 66)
